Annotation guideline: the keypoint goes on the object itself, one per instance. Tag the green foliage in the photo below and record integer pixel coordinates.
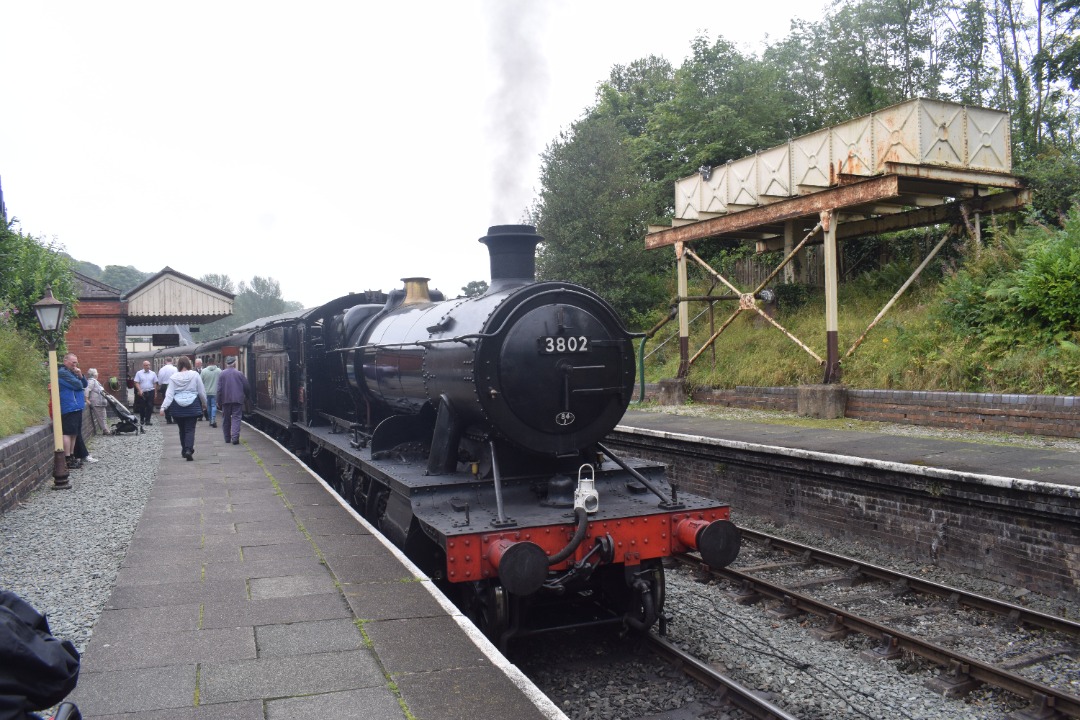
(593, 214)
(261, 298)
(123, 277)
(475, 288)
(23, 378)
(791, 296)
(1054, 178)
(221, 282)
(1047, 289)
(27, 267)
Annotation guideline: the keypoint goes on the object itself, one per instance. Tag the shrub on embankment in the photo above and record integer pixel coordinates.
(1001, 318)
(23, 380)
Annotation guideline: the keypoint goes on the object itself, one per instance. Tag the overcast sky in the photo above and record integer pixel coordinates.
(332, 146)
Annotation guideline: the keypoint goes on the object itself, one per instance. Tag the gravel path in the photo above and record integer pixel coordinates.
(60, 549)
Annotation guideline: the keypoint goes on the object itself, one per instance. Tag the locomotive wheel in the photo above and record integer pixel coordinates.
(375, 507)
(488, 606)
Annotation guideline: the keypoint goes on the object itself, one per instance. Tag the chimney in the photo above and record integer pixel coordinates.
(512, 249)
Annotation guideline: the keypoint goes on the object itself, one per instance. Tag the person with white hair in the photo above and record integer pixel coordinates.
(95, 400)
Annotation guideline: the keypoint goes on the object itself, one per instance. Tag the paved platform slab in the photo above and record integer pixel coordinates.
(249, 592)
(1049, 465)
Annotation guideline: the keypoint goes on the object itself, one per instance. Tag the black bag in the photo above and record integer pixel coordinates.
(37, 670)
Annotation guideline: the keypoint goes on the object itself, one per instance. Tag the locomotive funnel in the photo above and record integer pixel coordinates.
(512, 249)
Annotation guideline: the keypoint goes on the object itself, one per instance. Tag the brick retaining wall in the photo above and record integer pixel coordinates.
(1023, 536)
(26, 461)
(1052, 415)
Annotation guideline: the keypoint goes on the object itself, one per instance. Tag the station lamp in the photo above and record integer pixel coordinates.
(50, 315)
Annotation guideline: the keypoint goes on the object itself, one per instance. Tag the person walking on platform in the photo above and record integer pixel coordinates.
(187, 393)
(164, 375)
(210, 375)
(95, 399)
(146, 385)
(232, 390)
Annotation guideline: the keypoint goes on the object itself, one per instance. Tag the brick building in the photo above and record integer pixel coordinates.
(98, 331)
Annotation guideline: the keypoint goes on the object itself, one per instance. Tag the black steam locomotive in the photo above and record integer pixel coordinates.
(469, 431)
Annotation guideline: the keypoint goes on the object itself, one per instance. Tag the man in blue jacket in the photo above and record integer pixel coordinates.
(72, 401)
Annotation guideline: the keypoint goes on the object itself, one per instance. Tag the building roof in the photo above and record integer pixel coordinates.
(173, 297)
(91, 289)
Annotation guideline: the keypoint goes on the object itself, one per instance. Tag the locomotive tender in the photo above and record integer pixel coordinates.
(469, 431)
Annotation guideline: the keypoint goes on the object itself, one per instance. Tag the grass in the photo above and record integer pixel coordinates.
(909, 349)
(24, 379)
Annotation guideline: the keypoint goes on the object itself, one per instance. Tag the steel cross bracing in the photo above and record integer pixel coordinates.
(906, 196)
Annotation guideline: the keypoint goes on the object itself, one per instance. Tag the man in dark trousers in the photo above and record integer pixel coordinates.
(232, 390)
(146, 385)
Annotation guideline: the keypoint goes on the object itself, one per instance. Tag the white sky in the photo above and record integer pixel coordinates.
(333, 146)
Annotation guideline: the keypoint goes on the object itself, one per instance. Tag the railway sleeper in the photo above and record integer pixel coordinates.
(1041, 708)
(743, 593)
(1035, 657)
(786, 610)
(954, 682)
(887, 649)
(813, 583)
(835, 630)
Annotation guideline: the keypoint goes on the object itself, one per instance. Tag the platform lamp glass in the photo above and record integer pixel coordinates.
(50, 315)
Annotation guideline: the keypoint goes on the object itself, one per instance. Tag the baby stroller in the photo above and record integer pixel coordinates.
(129, 421)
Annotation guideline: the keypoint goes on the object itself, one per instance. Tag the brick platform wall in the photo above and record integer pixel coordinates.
(26, 461)
(1020, 536)
(1052, 415)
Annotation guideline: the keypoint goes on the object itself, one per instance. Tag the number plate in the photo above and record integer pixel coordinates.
(562, 344)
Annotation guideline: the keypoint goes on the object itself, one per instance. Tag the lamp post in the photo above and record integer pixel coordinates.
(50, 315)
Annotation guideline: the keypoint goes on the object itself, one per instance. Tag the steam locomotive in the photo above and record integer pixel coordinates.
(470, 430)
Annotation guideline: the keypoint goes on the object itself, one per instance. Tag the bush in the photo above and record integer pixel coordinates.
(1046, 283)
(23, 381)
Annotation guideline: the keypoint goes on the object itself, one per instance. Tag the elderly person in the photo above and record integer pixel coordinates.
(232, 390)
(146, 385)
(72, 386)
(186, 395)
(95, 400)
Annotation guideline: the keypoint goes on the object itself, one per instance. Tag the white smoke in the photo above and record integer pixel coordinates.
(515, 29)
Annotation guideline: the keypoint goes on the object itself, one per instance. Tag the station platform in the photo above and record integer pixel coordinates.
(249, 591)
(996, 462)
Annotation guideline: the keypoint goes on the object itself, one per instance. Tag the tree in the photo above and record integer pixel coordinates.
(123, 277)
(88, 269)
(27, 266)
(1063, 61)
(476, 288)
(593, 215)
(259, 299)
(221, 282)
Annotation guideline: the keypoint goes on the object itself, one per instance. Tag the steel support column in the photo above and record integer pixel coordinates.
(684, 312)
(832, 325)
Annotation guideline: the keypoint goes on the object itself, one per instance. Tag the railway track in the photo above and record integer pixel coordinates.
(905, 614)
(734, 693)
